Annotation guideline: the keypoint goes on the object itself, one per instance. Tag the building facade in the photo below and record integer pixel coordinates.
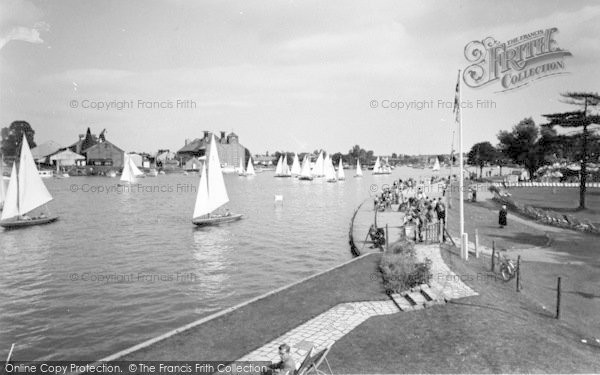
(231, 152)
(104, 154)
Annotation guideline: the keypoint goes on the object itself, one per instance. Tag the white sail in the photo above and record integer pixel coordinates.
(436, 166)
(241, 168)
(11, 205)
(319, 169)
(377, 167)
(296, 165)
(358, 170)
(127, 174)
(217, 193)
(285, 169)
(134, 169)
(329, 170)
(202, 206)
(279, 168)
(340, 171)
(2, 189)
(32, 191)
(305, 172)
(250, 169)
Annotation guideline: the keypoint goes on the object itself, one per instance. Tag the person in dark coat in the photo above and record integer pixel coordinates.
(502, 216)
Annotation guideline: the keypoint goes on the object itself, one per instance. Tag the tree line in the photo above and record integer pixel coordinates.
(534, 146)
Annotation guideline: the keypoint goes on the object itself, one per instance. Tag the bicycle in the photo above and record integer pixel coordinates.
(508, 269)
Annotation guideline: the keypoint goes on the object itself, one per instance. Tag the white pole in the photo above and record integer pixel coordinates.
(10, 353)
(461, 203)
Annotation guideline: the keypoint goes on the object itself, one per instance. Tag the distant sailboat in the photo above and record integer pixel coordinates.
(436, 165)
(283, 169)
(329, 170)
(319, 168)
(130, 170)
(26, 192)
(212, 193)
(359, 172)
(381, 169)
(305, 173)
(296, 169)
(241, 171)
(340, 172)
(250, 168)
(2, 187)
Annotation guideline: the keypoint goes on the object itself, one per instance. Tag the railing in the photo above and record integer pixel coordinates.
(431, 232)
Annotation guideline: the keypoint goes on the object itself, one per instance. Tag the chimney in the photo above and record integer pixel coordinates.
(206, 136)
(81, 136)
(222, 136)
(187, 140)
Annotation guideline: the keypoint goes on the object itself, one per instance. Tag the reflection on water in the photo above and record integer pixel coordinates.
(105, 275)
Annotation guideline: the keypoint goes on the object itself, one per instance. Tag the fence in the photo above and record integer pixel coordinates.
(429, 233)
(550, 184)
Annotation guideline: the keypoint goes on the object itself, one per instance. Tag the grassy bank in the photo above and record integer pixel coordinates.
(235, 334)
(498, 331)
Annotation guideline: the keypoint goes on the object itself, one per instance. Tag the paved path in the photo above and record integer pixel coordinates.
(330, 326)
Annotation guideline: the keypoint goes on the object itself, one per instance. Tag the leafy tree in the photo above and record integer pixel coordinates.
(576, 119)
(482, 153)
(520, 145)
(12, 136)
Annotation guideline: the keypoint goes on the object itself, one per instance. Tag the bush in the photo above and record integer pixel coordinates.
(402, 246)
(401, 271)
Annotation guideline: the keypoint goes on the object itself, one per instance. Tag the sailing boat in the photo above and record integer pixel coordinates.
(2, 187)
(241, 171)
(250, 168)
(296, 166)
(340, 172)
(26, 192)
(358, 170)
(329, 170)
(436, 166)
(305, 172)
(381, 169)
(319, 168)
(283, 169)
(212, 192)
(130, 171)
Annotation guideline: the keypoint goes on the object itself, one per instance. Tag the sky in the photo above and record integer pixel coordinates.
(283, 75)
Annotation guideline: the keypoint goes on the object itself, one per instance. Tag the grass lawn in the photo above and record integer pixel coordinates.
(498, 331)
(562, 200)
(237, 333)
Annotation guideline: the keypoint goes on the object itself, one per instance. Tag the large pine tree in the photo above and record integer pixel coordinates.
(582, 118)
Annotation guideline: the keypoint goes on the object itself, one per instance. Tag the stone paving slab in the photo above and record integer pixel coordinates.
(328, 327)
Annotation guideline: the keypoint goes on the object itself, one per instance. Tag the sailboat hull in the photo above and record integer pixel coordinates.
(216, 220)
(305, 178)
(14, 223)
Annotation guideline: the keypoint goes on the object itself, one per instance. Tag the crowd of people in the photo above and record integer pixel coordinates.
(419, 210)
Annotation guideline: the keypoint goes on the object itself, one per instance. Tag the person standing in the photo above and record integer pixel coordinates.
(440, 210)
(502, 216)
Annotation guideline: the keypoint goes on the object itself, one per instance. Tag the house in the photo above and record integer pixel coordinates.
(231, 152)
(42, 152)
(104, 154)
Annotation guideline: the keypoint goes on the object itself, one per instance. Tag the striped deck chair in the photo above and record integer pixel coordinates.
(305, 363)
(317, 360)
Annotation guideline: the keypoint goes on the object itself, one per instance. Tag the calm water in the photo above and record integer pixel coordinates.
(120, 268)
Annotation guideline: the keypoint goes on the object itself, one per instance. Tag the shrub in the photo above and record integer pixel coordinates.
(402, 246)
(401, 271)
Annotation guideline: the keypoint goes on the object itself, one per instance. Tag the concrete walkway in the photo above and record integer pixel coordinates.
(328, 327)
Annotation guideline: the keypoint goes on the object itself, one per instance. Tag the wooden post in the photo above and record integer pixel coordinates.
(387, 238)
(493, 254)
(476, 243)
(518, 274)
(558, 299)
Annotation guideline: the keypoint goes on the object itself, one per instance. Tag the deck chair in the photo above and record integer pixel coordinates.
(305, 363)
(317, 360)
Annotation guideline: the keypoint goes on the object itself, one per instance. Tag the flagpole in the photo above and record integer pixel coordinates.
(461, 204)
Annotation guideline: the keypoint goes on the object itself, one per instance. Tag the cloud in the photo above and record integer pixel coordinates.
(20, 20)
